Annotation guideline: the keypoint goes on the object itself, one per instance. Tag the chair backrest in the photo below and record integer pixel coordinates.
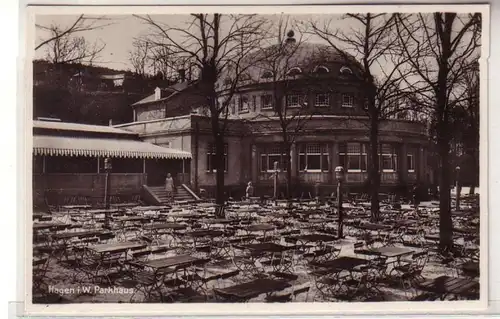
(358, 245)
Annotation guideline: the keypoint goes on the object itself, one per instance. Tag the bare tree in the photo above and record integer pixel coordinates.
(72, 49)
(381, 74)
(465, 121)
(438, 47)
(216, 45)
(275, 69)
(139, 56)
(82, 23)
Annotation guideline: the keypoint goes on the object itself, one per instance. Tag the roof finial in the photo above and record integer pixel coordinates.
(290, 37)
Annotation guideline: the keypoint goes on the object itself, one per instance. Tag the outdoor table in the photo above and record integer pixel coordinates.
(469, 230)
(315, 246)
(66, 236)
(48, 225)
(155, 230)
(129, 223)
(378, 228)
(334, 276)
(75, 207)
(124, 205)
(393, 252)
(207, 236)
(264, 254)
(101, 260)
(165, 273)
(246, 291)
(444, 286)
(342, 263)
(145, 208)
(432, 237)
(221, 221)
(116, 247)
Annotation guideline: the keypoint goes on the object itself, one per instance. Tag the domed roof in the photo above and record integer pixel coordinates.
(305, 56)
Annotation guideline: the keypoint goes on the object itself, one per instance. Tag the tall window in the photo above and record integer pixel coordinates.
(254, 103)
(313, 157)
(266, 101)
(410, 159)
(244, 104)
(322, 99)
(353, 156)
(388, 158)
(294, 100)
(232, 105)
(347, 100)
(270, 154)
(211, 163)
(410, 162)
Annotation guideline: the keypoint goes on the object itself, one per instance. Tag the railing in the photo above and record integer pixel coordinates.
(389, 177)
(412, 176)
(267, 177)
(314, 177)
(360, 177)
(356, 177)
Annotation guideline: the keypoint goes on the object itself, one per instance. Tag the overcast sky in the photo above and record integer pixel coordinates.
(119, 35)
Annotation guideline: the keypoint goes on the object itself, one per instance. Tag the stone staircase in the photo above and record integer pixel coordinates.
(181, 194)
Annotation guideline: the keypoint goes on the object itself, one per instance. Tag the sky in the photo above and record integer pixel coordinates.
(121, 31)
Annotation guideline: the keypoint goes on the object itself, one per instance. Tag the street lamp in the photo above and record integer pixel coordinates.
(107, 169)
(457, 188)
(340, 176)
(275, 180)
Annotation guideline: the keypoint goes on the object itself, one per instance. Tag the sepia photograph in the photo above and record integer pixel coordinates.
(256, 158)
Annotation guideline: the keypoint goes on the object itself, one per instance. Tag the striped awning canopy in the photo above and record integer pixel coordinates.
(102, 147)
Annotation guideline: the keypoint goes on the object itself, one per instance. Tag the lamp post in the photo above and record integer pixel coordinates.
(275, 180)
(340, 176)
(457, 188)
(107, 169)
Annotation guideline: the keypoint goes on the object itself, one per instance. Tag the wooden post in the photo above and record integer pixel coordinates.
(98, 165)
(275, 180)
(458, 188)
(340, 175)
(144, 166)
(43, 164)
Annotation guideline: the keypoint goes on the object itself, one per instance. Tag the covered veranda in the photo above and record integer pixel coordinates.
(71, 170)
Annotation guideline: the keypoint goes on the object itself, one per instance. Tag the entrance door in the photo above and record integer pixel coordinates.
(157, 171)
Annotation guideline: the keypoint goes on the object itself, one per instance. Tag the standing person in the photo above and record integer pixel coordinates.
(249, 190)
(169, 187)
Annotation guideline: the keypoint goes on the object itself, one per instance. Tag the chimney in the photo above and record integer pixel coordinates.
(157, 93)
(290, 37)
(110, 122)
(182, 75)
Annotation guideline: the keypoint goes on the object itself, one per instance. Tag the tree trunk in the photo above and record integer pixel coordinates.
(220, 196)
(374, 171)
(445, 221)
(288, 172)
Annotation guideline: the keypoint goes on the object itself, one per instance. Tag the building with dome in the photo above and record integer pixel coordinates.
(318, 91)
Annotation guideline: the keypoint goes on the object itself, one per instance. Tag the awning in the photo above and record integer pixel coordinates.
(102, 147)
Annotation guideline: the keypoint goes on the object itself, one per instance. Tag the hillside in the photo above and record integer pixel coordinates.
(75, 93)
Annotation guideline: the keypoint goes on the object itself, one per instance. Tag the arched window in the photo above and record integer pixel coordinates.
(345, 70)
(321, 69)
(294, 71)
(267, 74)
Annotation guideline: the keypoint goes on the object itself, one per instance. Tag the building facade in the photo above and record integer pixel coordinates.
(322, 102)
